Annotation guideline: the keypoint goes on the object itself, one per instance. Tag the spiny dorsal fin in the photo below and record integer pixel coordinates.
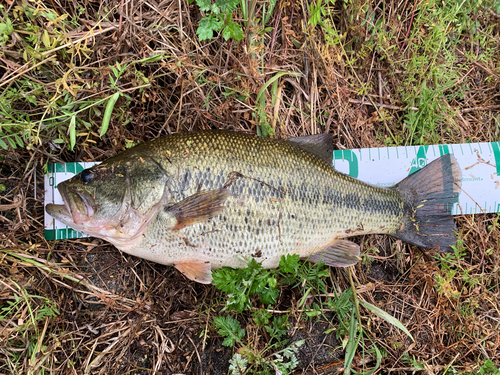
(196, 270)
(198, 207)
(320, 145)
(340, 253)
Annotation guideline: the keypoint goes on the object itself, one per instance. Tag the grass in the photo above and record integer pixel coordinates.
(85, 81)
(24, 314)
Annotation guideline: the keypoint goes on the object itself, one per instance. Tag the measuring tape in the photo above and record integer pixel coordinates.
(384, 166)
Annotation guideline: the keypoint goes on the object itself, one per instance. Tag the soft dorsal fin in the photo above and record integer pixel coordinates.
(196, 270)
(340, 253)
(198, 207)
(320, 145)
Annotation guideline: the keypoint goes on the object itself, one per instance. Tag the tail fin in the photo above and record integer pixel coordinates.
(430, 194)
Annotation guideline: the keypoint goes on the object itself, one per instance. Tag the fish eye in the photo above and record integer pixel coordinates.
(86, 176)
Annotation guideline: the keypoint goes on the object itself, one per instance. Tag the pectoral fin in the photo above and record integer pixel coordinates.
(198, 208)
(196, 270)
(341, 253)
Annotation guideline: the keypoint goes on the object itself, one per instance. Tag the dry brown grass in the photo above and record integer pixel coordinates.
(118, 314)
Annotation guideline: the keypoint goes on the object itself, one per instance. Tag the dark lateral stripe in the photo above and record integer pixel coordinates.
(352, 201)
(375, 205)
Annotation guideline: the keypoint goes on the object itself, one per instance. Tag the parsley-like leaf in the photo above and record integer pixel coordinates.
(279, 327)
(290, 263)
(232, 30)
(230, 329)
(261, 317)
(205, 5)
(242, 283)
(227, 6)
(207, 26)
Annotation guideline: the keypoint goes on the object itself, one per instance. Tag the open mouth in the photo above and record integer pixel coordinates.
(77, 208)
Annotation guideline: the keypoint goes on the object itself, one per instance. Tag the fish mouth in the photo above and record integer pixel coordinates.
(60, 212)
(78, 207)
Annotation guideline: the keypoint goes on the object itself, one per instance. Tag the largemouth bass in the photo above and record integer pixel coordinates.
(203, 200)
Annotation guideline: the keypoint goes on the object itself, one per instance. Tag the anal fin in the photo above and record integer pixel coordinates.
(340, 253)
(196, 270)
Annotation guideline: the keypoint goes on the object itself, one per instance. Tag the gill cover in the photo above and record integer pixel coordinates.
(115, 199)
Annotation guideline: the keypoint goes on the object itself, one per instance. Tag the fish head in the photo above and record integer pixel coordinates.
(114, 200)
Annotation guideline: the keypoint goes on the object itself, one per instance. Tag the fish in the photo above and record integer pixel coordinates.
(203, 200)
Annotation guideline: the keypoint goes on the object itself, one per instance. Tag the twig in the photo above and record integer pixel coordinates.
(485, 108)
(91, 35)
(197, 354)
(25, 71)
(479, 65)
(388, 106)
(492, 12)
(409, 29)
(121, 17)
(7, 207)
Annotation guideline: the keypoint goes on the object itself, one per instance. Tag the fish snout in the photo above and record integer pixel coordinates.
(81, 205)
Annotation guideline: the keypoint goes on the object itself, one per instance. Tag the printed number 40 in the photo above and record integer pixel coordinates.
(418, 163)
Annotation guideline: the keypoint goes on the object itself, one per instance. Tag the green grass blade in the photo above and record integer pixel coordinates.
(272, 4)
(108, 112)
(353, 343)
(378, 354)
(262, 90)
(72, 132)
(261, 102)
(386, 316)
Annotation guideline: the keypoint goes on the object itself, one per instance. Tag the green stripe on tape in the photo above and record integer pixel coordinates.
(420, 160)
(50, 234)
(351, 158)
(496, 152)
(58, 167)
(61, 234)
(443, 150)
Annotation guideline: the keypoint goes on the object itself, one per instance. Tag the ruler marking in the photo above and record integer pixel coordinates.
(479, 145)
(489, 146)
(406, 150)
(434, 150)
(461, 149)
(360, 156)
(370, 153)
(471, 150)
(397, 152)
